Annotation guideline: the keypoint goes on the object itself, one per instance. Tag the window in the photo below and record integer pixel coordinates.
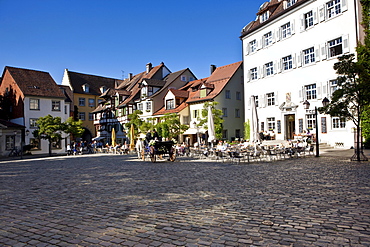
(203, 93)
(286, 30)
(183, 78)
(265, 16)
(91, 116)
(195, 113)
(238, 96)
(33, 123)
(9, 142)
(270, 99)
(34, 104)
(338, 123)
(270, 123)
(237, 133)
(55, 105)
(185, 120)
(309, 56)
(91, 102)
(254, 74)
(256, 100)
(65, 109)
(170, 104)
(333, 8)
(310, 91)
(290, 3)
(237, 113)
(81, 116)
(335, 47)
(86, 88)
(81, 101)
(269, 68)
(224, 112)
(287, 63)
(148, 105)
(333, 84)
(252, 46)
(267, 38)
(224, 134)
(308, 19)
(227, 94)
(311, 121)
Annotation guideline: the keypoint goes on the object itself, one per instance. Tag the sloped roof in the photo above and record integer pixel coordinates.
(180, 93)
(77, 80)
(219, 78)
(163, 110)
(35, 83)
(67, 93)
(6, 124)
(275, 8)
(155, 82)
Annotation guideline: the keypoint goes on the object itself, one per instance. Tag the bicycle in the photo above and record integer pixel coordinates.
(14, 152)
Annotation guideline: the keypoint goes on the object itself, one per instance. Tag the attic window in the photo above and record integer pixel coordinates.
(103, 89)
(203, 93)
(290, 3)
(86, 88)
(36, 87)
(264, 16)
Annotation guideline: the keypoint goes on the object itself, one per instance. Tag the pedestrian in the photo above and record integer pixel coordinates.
(69, 149)
(139, 148)
(148, 137)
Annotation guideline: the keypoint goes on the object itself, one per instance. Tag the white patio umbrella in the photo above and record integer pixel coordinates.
(255, 134)
(211, 126)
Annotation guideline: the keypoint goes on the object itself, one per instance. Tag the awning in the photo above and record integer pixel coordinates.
(98, 138)
(194, 131)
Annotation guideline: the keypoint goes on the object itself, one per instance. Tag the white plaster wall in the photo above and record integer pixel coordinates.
(292, 81)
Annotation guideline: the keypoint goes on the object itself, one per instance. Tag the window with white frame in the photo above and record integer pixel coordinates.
(290, 2)
(81, 101)
(270, 99)
(81, 116)
(270, 123)
(267, 39)
(269, 69)
(170, 104)
(227, 94)
(237, 113)
(33, 123)
(338, 123)
(254, 74)
(308, 19)
(224, 112)
(311, 92)
(264, 16)
(149, 105)
(287, 62)
(253, 46)
(333, 84)
(309, 56)
(55, 105)
(140, 106)
(333, 8)
(286, 30)
(311, 121)
(335, 47)
(183, 78)
(86, 88)
(34, 104)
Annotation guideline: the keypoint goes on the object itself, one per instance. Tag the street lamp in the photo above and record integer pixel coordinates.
(307, 104)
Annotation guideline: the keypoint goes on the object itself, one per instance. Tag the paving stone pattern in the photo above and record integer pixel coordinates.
(117, 200)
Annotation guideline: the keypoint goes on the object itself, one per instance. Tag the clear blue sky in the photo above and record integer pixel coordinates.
(106, 37)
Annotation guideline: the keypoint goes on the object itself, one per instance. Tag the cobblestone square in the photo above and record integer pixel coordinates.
(115, 200)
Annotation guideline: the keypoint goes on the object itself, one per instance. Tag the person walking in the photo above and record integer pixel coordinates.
(139, 148)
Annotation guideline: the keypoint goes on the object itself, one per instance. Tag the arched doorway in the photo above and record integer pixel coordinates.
(86, 135)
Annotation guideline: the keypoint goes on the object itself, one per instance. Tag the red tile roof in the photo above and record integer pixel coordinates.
(35, 83)
(180, 93)
(163, 110)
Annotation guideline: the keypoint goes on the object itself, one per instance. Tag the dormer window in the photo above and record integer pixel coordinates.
(290, 3)
(86, 88)
(264, 16)
(170, 104)
(203, 93)
(103, 89)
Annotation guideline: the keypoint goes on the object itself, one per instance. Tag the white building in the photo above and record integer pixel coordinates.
(288, 53)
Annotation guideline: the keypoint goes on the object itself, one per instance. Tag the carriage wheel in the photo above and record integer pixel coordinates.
(152, 154)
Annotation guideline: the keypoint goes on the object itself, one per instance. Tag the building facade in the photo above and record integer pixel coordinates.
(289, 51)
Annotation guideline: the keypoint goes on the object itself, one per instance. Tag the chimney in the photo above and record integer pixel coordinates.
(148, 67)
(130, 76)
(213, 68)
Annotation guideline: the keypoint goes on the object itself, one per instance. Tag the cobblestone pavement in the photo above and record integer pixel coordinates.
(117, 200)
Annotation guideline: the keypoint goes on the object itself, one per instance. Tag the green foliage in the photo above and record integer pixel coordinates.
(217, 118)
(135, 120)
(247, 130)
(49, 128)
(170, 126)
(73, 127)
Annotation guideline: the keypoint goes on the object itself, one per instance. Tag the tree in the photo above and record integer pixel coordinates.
(73, 127)
(136, 121)
(49, 128)
(170, 126)
(217, 118)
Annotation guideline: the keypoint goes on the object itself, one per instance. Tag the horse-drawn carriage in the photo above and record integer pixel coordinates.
(162, 149)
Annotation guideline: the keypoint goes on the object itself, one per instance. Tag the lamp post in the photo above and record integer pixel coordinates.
(307, 104)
